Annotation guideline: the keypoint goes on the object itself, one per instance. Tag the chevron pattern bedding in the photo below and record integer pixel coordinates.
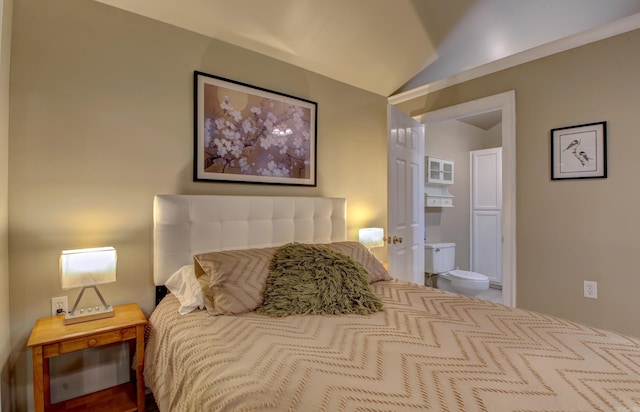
(429, 350)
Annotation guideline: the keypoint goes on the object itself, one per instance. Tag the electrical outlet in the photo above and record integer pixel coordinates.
(59, 305)
(590, 289)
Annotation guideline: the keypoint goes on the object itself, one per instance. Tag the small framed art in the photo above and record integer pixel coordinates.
(247, 134)
(579, 152)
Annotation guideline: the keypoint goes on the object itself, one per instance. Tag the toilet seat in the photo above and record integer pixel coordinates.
(466, 275)
(467, 283)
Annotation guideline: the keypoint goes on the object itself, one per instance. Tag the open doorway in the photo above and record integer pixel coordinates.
(471, 217)
(486, 109)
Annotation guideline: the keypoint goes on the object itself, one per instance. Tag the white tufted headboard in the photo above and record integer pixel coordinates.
(185, 225)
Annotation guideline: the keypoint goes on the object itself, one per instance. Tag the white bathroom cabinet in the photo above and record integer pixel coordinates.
(439, 171)
(439, 176)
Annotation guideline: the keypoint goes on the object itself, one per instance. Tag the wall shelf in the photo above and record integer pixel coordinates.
(438, 197)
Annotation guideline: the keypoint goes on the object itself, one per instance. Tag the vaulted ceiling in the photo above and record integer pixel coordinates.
(386, 46)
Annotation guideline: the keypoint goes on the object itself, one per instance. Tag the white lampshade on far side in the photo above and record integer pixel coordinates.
(371, 237)
(86, 268)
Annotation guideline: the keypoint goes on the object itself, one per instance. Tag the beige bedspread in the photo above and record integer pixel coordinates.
(429, 350)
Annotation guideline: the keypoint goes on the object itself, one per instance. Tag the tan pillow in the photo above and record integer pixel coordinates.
(207, 296)
(236, 279)
(359, 252)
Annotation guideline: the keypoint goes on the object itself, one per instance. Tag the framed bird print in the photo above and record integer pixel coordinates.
(579, 152)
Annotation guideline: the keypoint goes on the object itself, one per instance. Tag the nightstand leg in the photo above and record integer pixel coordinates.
(38, 379)
(140, 367)
(47, 383)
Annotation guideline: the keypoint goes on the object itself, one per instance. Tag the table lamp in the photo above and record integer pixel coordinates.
(371, 237)
(87, 268)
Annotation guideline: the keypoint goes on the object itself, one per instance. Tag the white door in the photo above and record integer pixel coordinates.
(486, 213)
(405, 197)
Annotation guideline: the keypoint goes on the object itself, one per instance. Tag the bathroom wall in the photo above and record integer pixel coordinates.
(453, 140)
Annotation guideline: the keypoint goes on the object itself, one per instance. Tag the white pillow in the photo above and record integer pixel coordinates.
(184, 285)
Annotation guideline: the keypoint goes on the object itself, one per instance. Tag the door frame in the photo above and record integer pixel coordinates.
(506, 102)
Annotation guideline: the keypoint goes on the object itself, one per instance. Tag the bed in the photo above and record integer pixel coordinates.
(426, 349)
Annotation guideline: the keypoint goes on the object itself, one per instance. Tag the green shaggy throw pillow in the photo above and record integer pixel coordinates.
(313, 279)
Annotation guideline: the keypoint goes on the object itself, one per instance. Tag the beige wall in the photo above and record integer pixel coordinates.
(5, 342)
(573, 230)
(101, 120)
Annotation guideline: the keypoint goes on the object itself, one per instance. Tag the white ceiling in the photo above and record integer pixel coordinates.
(385, 46)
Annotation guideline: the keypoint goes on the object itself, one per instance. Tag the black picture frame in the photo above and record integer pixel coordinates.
(579, 152)
(248, 134)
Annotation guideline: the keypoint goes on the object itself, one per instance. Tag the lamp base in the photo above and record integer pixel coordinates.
(84, 315)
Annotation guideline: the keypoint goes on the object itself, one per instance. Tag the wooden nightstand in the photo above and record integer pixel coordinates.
(50, 337)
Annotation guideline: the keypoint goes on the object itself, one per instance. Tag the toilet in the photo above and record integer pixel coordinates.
(440, 258)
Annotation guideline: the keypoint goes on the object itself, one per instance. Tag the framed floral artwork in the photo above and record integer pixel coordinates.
(247, 134)
(579, 152)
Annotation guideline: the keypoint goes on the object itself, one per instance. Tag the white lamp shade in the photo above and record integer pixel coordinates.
(87, 267)
(371, 237)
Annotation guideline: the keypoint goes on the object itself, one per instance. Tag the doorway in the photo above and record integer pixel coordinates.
(505, 104)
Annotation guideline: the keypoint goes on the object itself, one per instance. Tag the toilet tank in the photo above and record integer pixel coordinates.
(439, 257)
